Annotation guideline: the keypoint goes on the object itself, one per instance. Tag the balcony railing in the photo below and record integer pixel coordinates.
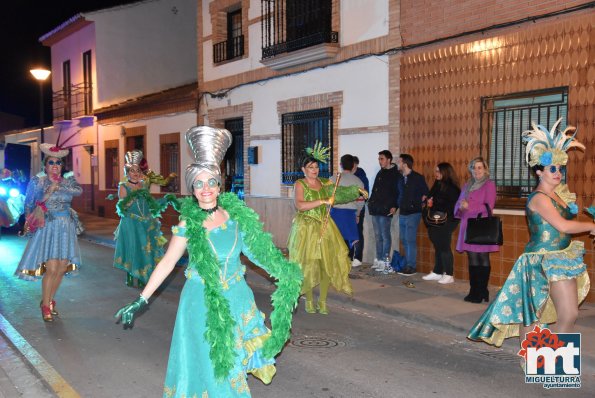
(73, 102)
(302, 42)
(229, 49)
(290, 25)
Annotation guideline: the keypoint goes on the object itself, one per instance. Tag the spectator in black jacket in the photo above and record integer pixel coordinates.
(383, 204)
(442, 198)
(412, 192)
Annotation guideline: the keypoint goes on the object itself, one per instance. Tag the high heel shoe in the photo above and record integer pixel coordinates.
(140, 284)
(321, 307)
(486, 296)
(53, 308)
(310, 307)
(129, 280)
(46, 313)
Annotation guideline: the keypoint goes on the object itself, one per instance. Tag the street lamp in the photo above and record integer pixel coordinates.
(41, 75)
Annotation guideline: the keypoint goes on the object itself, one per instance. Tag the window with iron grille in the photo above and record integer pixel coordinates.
(66, 88)
(112, 166)
(300, 130)
(289, 25)
(233, 47)
(169, 146)
(503, 120)
(234, 158)
(87, 83)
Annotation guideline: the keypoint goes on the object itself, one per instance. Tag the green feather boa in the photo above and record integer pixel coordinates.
(220, 324)
(156, 206)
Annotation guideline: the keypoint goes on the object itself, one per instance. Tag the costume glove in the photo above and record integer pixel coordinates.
(128, 312)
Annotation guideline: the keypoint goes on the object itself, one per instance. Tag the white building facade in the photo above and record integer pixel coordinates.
(294, 72)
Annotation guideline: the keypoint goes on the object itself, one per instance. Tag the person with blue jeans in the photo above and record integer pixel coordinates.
(413, 190)
(383, 204)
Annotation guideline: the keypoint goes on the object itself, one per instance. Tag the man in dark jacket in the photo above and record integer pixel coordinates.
(383, 204)
(412, 191)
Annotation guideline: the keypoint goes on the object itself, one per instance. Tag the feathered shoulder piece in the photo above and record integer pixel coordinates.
(549, 147)
(319, 152)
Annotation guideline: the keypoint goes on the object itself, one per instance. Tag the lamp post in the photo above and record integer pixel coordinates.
(40, 75)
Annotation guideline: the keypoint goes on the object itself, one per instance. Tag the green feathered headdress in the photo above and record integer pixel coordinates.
(319, 152)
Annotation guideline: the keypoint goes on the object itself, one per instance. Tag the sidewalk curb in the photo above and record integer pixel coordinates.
(54, 382)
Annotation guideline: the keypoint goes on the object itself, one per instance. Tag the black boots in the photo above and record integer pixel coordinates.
(479, 277)
(483, 280)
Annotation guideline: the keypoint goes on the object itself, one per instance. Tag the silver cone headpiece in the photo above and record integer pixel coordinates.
(208, 146)
(132, 158)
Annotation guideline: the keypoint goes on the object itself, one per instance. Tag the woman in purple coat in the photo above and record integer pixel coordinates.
(476, 193)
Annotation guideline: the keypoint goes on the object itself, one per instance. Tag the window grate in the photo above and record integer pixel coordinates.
(300, 130)
(234, 158)
(503, 121)
(290, 25)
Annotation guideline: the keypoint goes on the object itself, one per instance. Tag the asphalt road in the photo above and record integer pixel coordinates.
(349, 353)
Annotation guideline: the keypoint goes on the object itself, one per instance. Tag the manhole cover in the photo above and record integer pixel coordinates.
(316, 342)
(501, 356)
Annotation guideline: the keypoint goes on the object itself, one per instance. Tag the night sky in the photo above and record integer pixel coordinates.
(22, 23)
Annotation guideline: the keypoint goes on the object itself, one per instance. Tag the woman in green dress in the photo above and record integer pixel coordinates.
(549, 280)
(220, 335)
(314, 240)
(139, 241)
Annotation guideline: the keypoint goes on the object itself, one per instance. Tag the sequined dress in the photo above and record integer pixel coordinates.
(524, 298)
(139, 241)
(58, 238)
(315, 255)
(190, 369)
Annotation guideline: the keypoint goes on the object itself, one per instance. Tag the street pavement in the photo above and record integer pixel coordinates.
(440, 307)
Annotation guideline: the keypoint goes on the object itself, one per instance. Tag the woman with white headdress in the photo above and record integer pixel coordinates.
(139, 241)
(220, 335)
(53, 225)
(549, 280)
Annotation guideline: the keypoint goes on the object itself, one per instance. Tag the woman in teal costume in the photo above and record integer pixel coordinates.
(139, 241)
(220, 335)
(549, 280)
(314, 240)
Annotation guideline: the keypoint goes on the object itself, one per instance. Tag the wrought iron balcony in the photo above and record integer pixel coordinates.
(299, 43)
(72, 102)
(228, 50)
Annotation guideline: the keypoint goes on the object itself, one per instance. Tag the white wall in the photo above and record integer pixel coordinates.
(363, 20)
(366, 148)
(144, 48)
(265, 177)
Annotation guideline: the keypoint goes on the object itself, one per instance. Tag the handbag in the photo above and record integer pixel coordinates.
(434, 218)
(484, 230)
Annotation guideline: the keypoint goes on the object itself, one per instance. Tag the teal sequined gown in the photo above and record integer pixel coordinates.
(190, 369)
(524, 299)
(139, 241)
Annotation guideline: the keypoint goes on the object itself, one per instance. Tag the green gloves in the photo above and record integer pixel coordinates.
(128, 312)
